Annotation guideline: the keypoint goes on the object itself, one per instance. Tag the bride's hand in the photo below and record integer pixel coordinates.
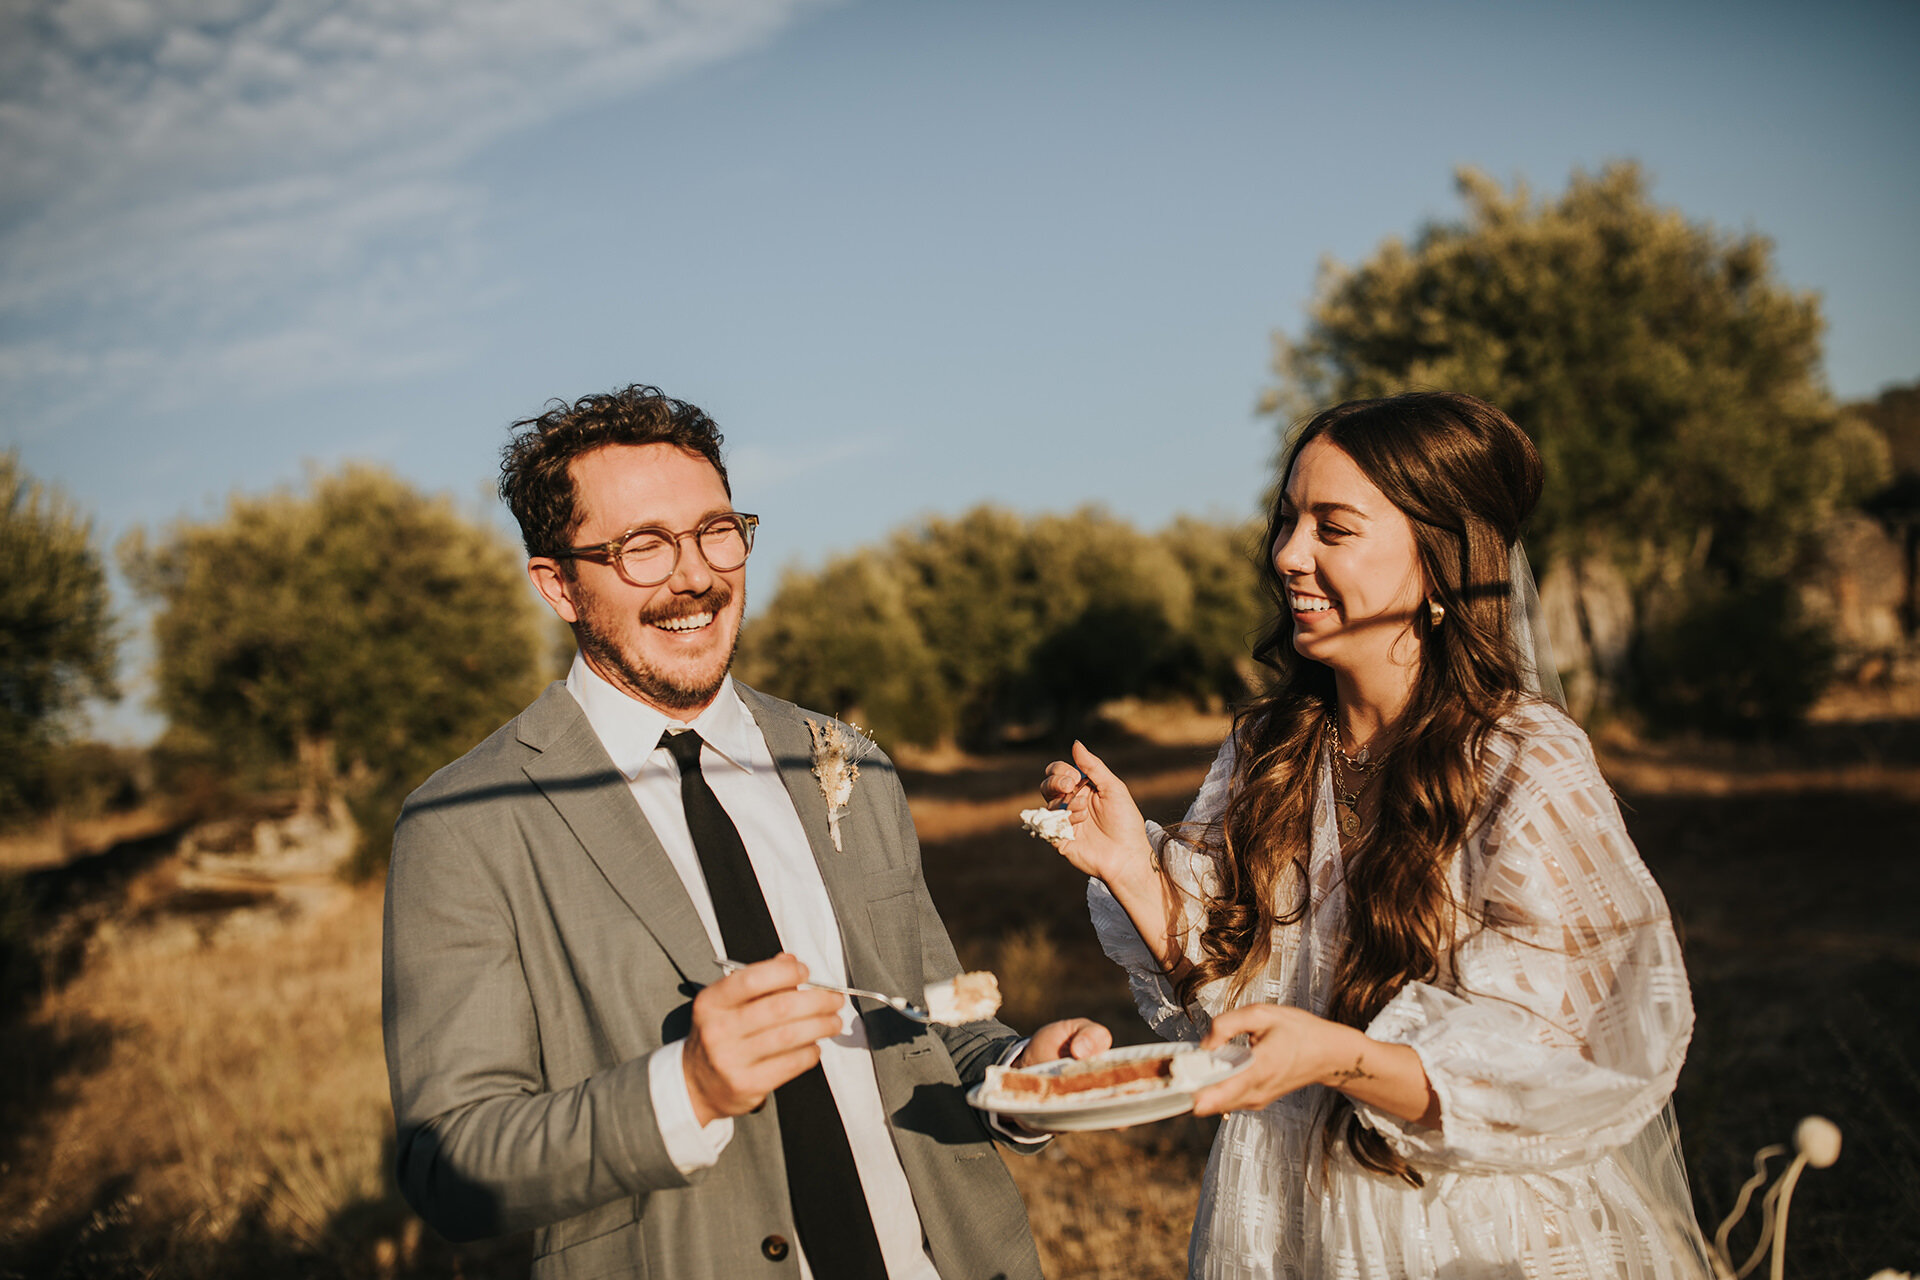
(1289, 1046)
(1109, 835)
(1292, 1047)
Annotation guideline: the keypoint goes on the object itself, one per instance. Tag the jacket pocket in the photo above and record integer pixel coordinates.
(583, 1228)
(889, 882)
(894, 926)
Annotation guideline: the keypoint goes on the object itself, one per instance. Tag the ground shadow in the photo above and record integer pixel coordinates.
(1797, 914)
(50, 913)
(43, 1063)
(112, 1236)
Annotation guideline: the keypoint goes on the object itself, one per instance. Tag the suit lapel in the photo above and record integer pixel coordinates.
(574, 772)
(785, 731)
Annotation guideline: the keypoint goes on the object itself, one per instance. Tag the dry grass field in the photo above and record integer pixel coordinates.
(194, 1086)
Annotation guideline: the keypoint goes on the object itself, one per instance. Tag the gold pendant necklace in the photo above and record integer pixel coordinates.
(1346, 799)
(1349, 807)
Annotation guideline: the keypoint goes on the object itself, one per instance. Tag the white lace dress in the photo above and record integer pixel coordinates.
(1552, 1041)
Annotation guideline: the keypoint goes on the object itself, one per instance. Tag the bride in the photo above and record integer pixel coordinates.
(1407, 885)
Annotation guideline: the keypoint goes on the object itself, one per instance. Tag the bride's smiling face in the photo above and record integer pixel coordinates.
(1350, 564)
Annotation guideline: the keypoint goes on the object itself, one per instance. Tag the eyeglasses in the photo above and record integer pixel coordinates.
(649, 555)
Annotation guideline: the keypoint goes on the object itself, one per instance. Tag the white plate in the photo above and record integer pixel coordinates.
(1075, 1113)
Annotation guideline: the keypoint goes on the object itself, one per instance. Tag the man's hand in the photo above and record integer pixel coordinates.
(753, 1031)
(1069, 1038)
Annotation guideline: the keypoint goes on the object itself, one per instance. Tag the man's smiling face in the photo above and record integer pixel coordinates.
(668, 645)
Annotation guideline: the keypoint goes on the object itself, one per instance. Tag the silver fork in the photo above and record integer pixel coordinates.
(899, 1004)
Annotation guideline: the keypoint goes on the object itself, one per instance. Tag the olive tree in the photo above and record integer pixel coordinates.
(354, 635)
(1895, 415)
(57, 642)
(991, 623)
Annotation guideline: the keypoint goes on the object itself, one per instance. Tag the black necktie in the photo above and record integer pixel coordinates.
(829, 1206)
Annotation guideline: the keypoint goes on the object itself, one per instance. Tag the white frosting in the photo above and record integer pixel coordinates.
(1192, 1070)
(1051, 825)
(966, 998)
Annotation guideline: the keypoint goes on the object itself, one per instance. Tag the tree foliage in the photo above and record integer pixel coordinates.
(1215, 651)
(357, 634)
(843, 640)
(57, 645)
(971, 627)
(1895, 415)
(1672, 383)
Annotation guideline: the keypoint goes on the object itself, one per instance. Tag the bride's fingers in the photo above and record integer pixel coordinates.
(1218, 1099)
(1092, 766)
(1250, 1019)
(1060, 782)
(1099, 777)
(1249, 1090)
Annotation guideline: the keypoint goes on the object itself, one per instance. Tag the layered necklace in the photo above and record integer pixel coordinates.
(1350, 774)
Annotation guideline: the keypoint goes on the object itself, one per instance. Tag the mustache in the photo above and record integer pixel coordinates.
(712, 600)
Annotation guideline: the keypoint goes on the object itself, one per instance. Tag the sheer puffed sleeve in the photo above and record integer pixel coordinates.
(1192, 873)
(1561, 1028)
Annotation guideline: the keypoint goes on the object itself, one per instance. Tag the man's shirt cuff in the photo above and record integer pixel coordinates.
(1018, 1134)
(690, 1146)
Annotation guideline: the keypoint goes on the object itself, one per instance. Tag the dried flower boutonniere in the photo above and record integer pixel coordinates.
(838, 750)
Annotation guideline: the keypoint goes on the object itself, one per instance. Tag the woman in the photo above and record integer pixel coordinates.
(1407, 884)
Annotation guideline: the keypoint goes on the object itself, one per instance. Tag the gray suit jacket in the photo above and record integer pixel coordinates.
(539, 945)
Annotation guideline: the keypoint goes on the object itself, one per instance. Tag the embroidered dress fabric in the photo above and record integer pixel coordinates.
(1552, 1038)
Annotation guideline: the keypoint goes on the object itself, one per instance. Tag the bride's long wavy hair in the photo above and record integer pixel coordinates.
(1467, 479)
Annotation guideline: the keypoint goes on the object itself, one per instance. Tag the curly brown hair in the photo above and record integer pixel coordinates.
(1467, 479)
(536, 480)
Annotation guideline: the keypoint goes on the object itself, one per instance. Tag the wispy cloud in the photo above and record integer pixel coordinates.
(239, 190)
(759, 469)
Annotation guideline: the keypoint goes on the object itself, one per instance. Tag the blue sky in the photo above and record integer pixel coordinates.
(911, 255)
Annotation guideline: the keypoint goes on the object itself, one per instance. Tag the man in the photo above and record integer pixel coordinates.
(565, 1051)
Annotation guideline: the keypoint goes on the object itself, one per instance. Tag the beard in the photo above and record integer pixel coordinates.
(667, 690)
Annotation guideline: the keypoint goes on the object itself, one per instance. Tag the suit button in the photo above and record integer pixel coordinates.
(774, 1247)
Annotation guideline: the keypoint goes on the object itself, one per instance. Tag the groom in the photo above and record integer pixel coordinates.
(565, 1051)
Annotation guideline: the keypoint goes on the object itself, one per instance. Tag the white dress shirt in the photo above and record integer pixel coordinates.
(740, 769)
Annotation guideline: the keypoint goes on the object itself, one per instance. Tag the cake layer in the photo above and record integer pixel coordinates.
(1084, 1077)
